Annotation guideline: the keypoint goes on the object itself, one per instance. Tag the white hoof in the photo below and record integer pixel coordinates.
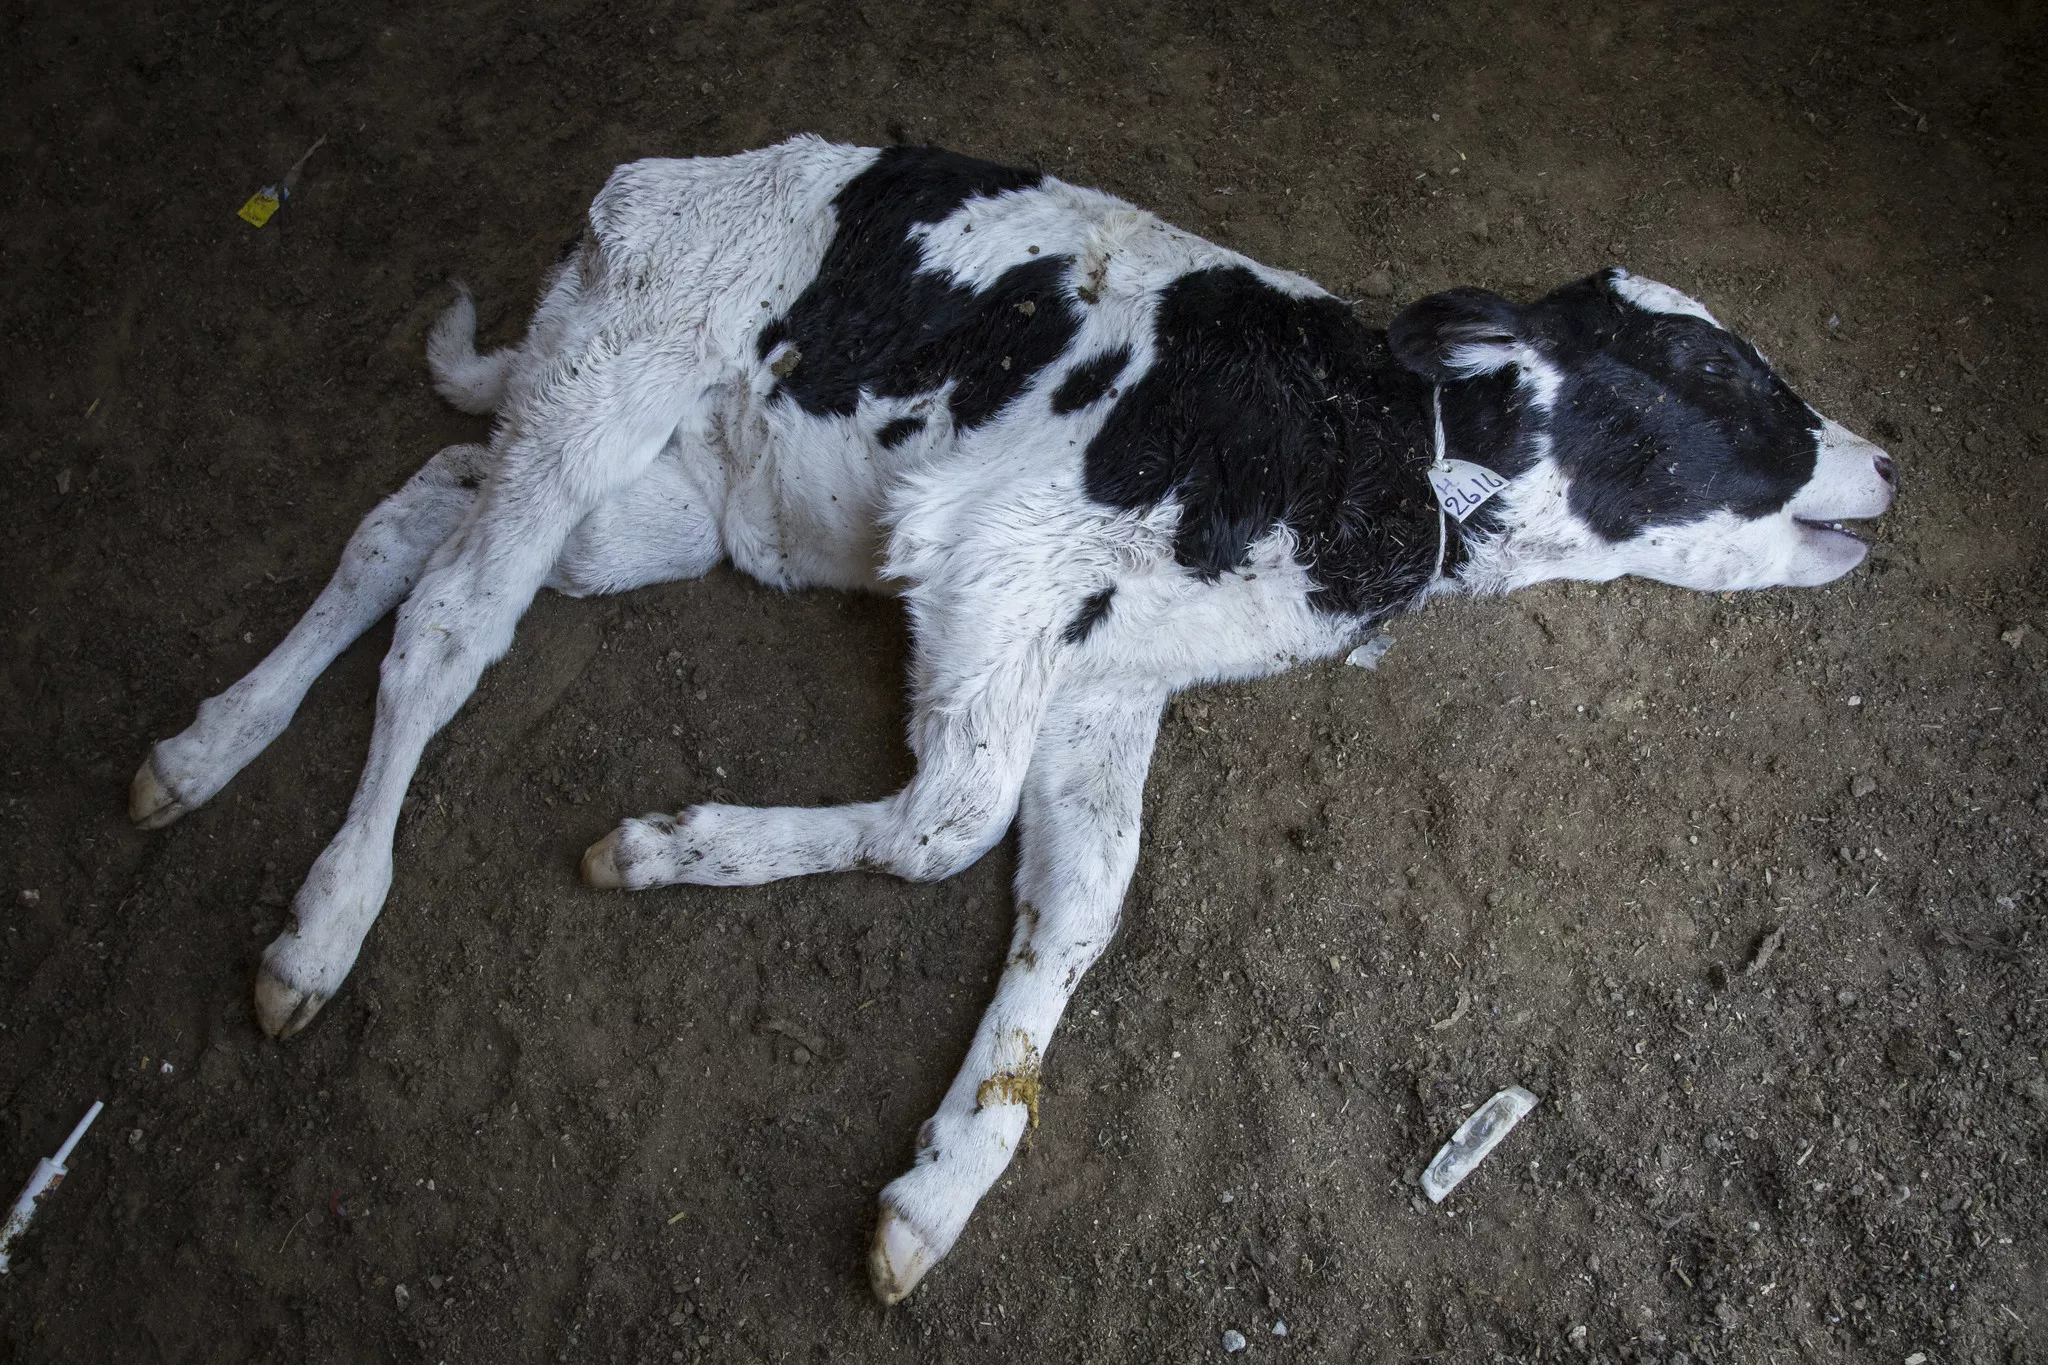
(282, 1008)
(637, 855)
(601, 864)
(898, 1258)
(150, 803)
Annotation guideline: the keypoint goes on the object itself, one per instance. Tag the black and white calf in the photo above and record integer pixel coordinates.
(1099, 458)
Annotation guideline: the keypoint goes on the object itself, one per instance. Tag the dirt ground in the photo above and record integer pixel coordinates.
(1543, 844)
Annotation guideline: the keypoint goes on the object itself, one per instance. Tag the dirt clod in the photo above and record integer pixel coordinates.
(1767, 948)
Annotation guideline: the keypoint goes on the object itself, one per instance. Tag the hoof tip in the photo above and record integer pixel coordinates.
(898, 1258)
(601, 864)
(150, 803)
(284, 1009)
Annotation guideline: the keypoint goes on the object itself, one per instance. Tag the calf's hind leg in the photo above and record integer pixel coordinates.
(588, 434)
(383, 560)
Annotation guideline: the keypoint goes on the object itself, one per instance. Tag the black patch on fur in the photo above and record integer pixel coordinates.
(870, 322)
(895, 433)
(1093, 613)
(1262, 409)
(1089, 381)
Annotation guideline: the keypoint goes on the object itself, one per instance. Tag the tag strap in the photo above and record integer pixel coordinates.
(1443, 526)
(1461, 486)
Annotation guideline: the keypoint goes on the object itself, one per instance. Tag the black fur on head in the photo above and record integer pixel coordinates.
(1666, 416)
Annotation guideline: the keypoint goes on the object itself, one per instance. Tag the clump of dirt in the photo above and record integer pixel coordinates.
(541, 1123)
(1017, 1084)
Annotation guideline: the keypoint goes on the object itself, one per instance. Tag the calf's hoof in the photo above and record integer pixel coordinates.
(898, 1258)
(601, 864)
(282, 1008)
(150, 803)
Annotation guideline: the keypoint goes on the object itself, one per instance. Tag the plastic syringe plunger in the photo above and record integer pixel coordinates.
(49, 1172)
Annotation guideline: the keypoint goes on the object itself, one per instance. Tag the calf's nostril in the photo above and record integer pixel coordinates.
(1888, 471)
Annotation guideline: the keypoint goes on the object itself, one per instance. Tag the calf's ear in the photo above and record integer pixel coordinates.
(1456, 334)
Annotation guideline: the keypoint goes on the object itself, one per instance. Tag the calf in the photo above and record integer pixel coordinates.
(1100, 460)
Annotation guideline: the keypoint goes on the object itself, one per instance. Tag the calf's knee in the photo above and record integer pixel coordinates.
(934, 848)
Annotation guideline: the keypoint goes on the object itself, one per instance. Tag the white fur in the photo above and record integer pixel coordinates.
(474, 383)
(1653, 297)
(636, 442)
(1849, 482)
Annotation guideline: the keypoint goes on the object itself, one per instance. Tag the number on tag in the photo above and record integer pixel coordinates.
(1463, 487)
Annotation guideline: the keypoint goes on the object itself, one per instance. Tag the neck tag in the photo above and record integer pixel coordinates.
(1462, 487)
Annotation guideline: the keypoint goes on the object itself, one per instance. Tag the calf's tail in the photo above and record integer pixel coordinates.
(474, 383)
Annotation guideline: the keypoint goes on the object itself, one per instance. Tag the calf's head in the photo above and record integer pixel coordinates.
(1640, 436)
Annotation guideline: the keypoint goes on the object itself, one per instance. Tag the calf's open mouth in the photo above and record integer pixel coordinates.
(1837, 527)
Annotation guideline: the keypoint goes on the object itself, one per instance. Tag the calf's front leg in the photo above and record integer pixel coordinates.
(1078, 816)
(973, 728)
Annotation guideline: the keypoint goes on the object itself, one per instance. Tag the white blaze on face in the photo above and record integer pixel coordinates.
(1653, 297)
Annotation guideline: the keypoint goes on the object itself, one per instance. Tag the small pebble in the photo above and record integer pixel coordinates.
(1226, 1198)
(402, 1296)
(31, 896)
(1233, 1341)
(1766, 949)
(1279, 1329)
(1378, 284)
(1862, 785)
